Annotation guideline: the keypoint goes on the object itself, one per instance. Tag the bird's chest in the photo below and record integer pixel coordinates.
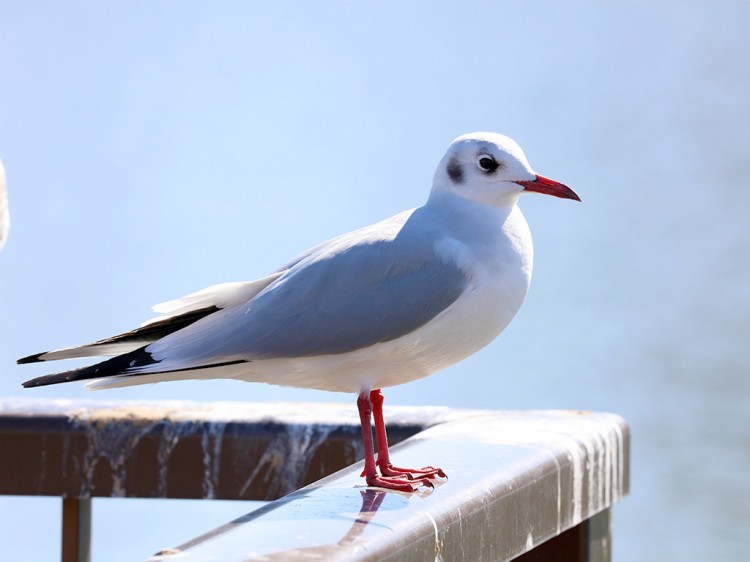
(496, 291)
(498, 276)
(498, 262)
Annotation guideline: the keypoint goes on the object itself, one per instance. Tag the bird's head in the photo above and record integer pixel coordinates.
(491, 169)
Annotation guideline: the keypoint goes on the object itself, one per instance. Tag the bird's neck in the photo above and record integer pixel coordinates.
(499, 233)
(458, 211)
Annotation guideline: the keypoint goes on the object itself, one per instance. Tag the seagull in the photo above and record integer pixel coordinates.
(4, 214)
(380, 306)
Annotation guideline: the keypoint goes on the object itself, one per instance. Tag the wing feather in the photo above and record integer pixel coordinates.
(176, 315)
(373, 286)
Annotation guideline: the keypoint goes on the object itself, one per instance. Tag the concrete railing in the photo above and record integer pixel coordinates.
(522, 485)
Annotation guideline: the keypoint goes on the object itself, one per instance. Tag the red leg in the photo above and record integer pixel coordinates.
(400, 482)
(384, 460)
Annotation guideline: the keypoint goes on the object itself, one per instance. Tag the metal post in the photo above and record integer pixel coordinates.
(76, 530)
(600, 537)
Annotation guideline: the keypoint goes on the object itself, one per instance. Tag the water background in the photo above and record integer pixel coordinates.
(153, 149)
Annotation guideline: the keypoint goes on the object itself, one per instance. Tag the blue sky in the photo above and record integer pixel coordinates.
(156, 148)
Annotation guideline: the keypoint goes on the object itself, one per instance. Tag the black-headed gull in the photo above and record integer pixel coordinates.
(380, 306)
(4, 214)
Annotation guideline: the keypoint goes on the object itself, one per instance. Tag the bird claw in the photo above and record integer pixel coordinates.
(401, 482)
(427, 472)
(404, 479)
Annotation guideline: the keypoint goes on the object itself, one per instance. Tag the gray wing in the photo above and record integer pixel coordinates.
(344, 297)
(339, 308)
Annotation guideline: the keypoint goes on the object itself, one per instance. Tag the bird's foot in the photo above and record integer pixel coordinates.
(428, 472)
(400, 482)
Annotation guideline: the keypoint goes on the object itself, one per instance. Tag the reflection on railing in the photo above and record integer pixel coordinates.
(371, 500)
(517, 479)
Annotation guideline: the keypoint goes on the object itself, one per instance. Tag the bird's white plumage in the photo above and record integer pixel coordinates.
(376, 307)
(473, 225)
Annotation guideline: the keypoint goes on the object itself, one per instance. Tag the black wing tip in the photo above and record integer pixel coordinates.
(36, 358)
(65, 376)
(44, 381)
(109, 368)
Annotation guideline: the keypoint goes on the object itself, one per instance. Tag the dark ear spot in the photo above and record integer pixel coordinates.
(454, 171)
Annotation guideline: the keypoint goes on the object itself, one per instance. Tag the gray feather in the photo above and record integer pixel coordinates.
(344, 297)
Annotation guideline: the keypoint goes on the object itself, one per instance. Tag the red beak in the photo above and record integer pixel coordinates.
(550, 187)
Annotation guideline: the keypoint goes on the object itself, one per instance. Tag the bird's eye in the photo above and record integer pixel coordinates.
(487, 163)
